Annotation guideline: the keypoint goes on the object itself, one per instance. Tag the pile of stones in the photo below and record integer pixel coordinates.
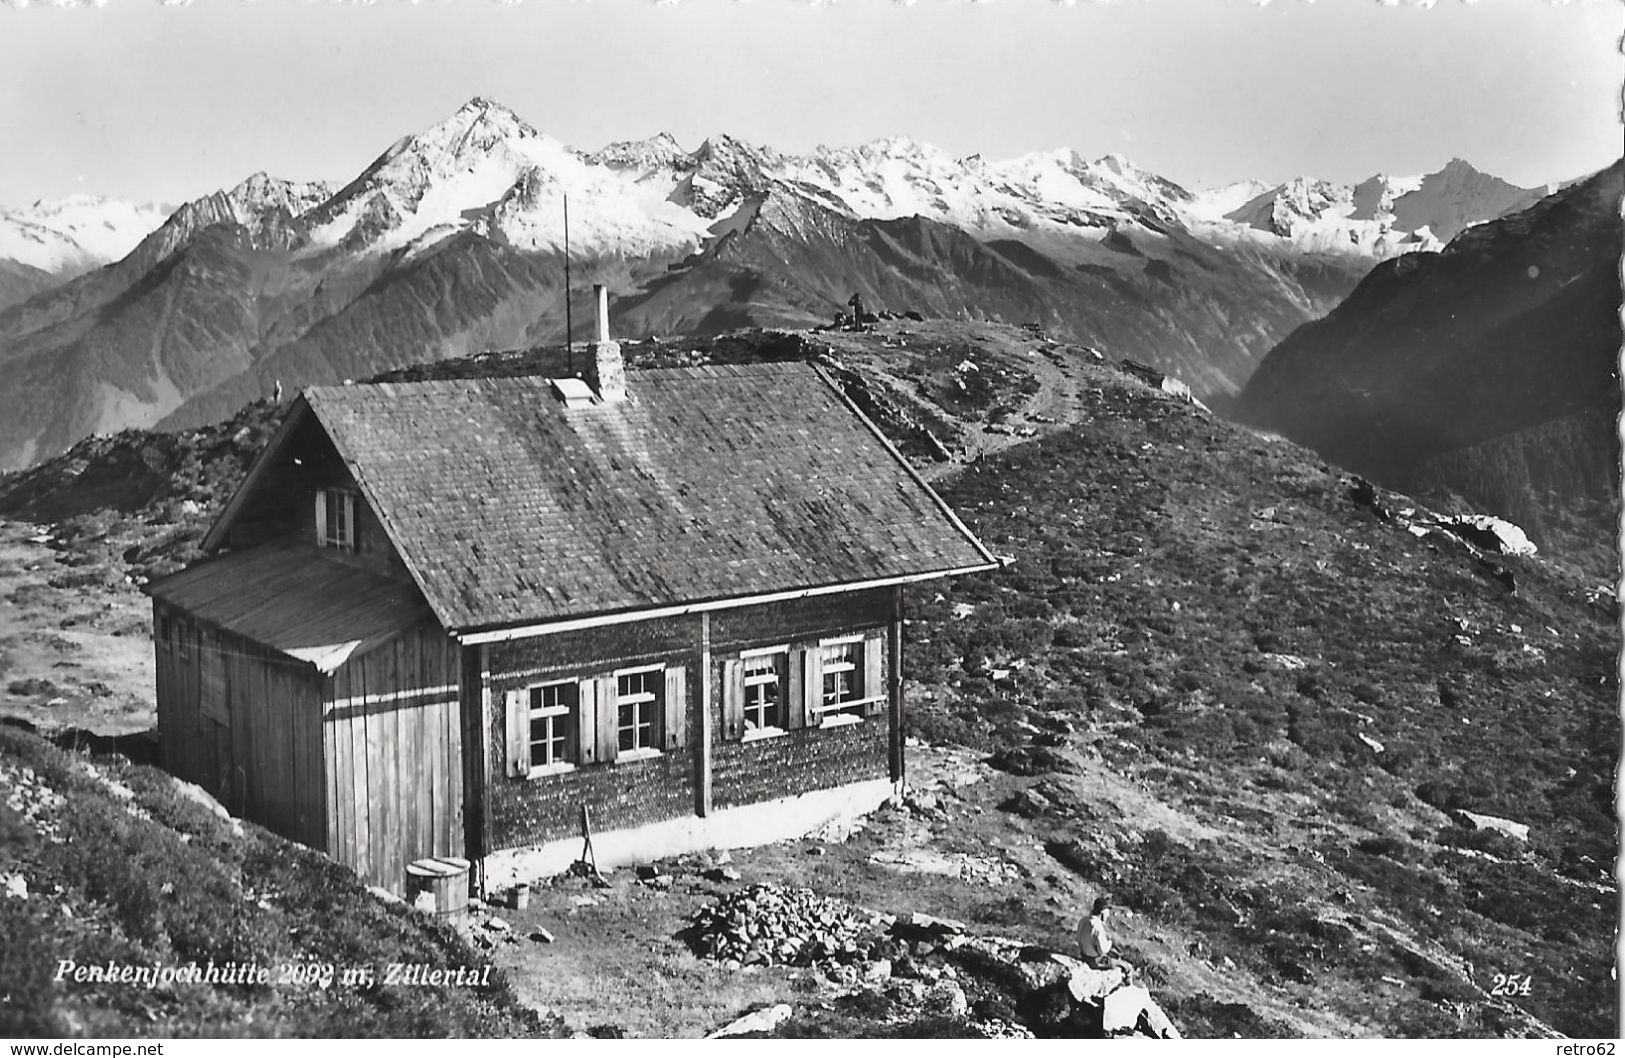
(773, 926)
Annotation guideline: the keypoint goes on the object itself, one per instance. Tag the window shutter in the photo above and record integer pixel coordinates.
(586, 721)
(794, 691)
(676, 720)
(518, 709)
(802, 706)
(347, 519)
(874, 654)
(607, 735)
(733, 699)
(321, 517)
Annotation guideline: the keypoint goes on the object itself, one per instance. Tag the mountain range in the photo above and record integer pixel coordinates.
(452, 240)
(48, 242)
(1383, 216)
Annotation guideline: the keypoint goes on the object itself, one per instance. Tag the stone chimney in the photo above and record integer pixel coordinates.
(606, 374)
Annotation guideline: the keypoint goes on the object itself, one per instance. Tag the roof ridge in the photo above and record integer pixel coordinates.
(395, 387)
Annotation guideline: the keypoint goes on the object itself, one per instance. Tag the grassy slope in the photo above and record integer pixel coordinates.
(121, 867)
(1164, 563)
(1198, 629)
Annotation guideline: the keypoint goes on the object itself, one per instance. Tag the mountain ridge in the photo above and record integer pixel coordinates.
(1514, 325)
(301, 282)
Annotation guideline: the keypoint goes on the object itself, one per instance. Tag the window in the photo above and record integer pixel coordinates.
(842, 667)
(335, 519)
(639, 707)
(764, 690)
(596, 718)
(847, 679)
(552, 723)
(769, 692)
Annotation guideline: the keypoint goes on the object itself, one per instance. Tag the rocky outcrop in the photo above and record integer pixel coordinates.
(924, 966)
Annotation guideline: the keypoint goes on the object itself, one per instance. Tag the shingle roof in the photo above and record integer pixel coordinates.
(707, 483)
(317, 610)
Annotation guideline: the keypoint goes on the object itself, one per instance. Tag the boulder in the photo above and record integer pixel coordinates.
(1029, 802)
(1086, 983)
(1039, 972)
(1490, 534)
(949, 999)
(919, 925)
(1475, 821)
(1124, 1009)
(1144, 372)
(765, 1020)
(1363, 493)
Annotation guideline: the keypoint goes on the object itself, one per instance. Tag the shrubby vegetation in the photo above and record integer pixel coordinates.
(109, 862)
(1209, 610)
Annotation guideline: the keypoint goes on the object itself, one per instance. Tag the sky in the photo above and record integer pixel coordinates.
(167, 100)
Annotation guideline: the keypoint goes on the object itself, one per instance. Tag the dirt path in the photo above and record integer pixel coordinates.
(75, 647)
(1055, 373)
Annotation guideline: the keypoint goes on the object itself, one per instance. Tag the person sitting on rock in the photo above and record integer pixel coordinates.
(1095, 940)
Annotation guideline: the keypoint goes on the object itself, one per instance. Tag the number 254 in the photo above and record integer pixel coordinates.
(1511, 985)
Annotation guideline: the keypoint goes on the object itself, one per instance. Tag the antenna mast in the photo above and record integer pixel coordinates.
(569, 349)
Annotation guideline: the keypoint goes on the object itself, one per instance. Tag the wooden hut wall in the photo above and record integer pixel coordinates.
(393, 757)
(240, 721)
(181, 738)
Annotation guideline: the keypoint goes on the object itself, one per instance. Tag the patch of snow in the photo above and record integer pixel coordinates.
(70, 235)
(1216, 203)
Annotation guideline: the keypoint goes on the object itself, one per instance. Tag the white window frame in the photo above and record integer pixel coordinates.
(656, 702)
(841, 713)
(550, 713)
(781, 674)
(343, 502)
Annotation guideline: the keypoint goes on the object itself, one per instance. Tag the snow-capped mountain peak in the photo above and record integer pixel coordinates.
(1459, 196)
(70, 235)
(660, 151)
(1383, 214)
(1140, 183)
(262, 193)
(429, 179)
